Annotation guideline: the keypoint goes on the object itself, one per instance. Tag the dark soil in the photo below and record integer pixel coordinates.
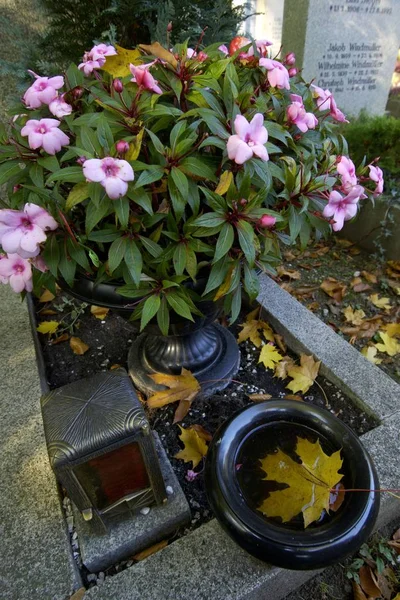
(109, 341)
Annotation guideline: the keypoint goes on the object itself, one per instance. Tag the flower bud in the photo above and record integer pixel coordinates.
(290, 58)
(243, 202)
(292, 72)
(77, 93)
(169, 27)
(202, 56)
(118, 86)
(122, 147)
(267, 221)
(81, 160)
(16, 188)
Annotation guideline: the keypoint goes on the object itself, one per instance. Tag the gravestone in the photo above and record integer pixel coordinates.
(346, 46)
(267, 24)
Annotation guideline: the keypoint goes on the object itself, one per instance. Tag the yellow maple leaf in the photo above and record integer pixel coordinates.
(269, 356)
(157, 50)
(224, 183)
(370, 353)
(253, 328)
(179, 387)
(380, 302)
(389, 346)
(47, 327)
(47, 296)
(78, 346)
(304, 375)
(354, 316)
(118, 64)
(309, 482)
(195, 447)
(392, 329)
(100, 312)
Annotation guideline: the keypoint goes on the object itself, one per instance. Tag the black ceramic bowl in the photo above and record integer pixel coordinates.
(289, 545)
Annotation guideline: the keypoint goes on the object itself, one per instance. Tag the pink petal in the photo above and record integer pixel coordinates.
(32, 238)
(50, 143)
(242, 126)
(29, 126)
(268, 63)
(339, 220)
(92, 170)
(11, 218)
(40, 217)
(5, 267)
(50, 123)
(258, 132)
(243, 153)
(115, 187)
(47, 95)
(351, 211)
(35, 140)
(56, 82)
(261, 152)
(11, 241)
(125, 170)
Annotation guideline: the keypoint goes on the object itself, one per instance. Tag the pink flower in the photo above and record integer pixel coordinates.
(144, 79)
(278, 75)
(45, 133)
(191, 475)
(326, 101)
(190, 53)
(96, 58)
(102, 50)
(59, 108)
(42, 91)
(343, 208)
(375, 173)
(16, 271)
(223, 49)
(267, 221)
(261, 46)
(297, 114)
(22, 232)
(347, 172)
(249, 139)
(112, 173)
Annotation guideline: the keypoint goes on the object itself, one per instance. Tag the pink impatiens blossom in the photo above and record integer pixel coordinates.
(46, 134)
(42, 91)
(267, 221)
(59, 108)
(144, 79)
(278, 75)
(297, 114)
(16, 271)
(96, 58)
(102, 51)
(190, 53)
(326, 101)
(347, 172)
(261, 46)
(112, 173)
(22, 231)
(191, 475)
(375, 173)
(223, 49)
(342, 208)
(249, 139)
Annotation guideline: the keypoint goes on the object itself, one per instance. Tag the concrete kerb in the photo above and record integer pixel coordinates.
(207, 563)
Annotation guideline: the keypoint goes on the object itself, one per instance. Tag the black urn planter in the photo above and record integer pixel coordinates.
(235, 504)
(204, 347)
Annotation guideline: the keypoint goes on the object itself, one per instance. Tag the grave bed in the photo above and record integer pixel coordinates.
(203, 562)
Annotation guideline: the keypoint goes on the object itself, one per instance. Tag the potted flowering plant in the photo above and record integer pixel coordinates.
(161, 183)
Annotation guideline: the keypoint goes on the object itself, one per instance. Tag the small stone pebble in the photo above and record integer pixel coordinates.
(145, 510)
(169, 490)
(356, 274)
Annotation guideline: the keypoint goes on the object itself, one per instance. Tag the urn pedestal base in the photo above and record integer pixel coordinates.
(210, 353)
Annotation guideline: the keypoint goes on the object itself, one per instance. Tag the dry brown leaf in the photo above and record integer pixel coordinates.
(47, 312)
(160, 52)
(369, 583)
(370, 277)
(334, 288)
(313, 306)
(47, 296)
(321, 251)
(149, 551)
(281, 369)
(195, 447)
(100, 312)
(78, 346)
(179, 387)
(306, 266)
(353, 316)
(280, 342)
(380, 302)
(290, 273)
(293, 397)
(393, 269)
(203, 433)
(357, 591)
(303, 291)
(354, 251)
(259, 397)
(79, 594)
(58, 340)
(361, 287)
(396, 535)
(367, 329)
(290, 255)
(343, 242)
(303, 376)
(387, 582)
(181, 410)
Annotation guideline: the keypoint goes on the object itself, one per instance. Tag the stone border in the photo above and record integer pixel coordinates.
(207, 563)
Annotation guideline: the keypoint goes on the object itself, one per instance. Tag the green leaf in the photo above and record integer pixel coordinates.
(276, 131)
(104, 134)
(78, 254)
(104, 235)
(179, 305)
(67, 267)
(295, 222)
(150, 308)
(212, 219)
(251, 282)
(36, 174)
(78, 194)
(179, 258)
(50, 163)
(180, 181)
(51, 253)
(90, 142)
(151, 247)
(142, 198)
(156, 142)
(121, 206)
(8, 170)
(195, 166)
(74, 76)
(163, 317)
(246, 240)
(116, 253)
(236, 304)
(94, 213)
(176, 132)
(225, 241)
(133, 261)
(153, 174)
(67, 175)
(177, 199)
(217, 275)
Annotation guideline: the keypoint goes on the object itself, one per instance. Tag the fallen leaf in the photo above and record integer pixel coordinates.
(304, 375)
(367, 329)
(380, 302)
(281, 369)
(336, 497)
(259, 397)
(180, 387)
(354, 251)
(357, 591)
(100, 312)
(313, 306)
(118, 64)
(361, 287)
(355, 281)
(149, 551)
(395, 545)
(49, 327)
(370, 353)
(117, 366)
(354, 316)
(309, 482)
(306, 266)
(393, 268)
(79, 594)
(390, 346)
(290, 273)
(334, 288)
(293, 397)
(370, 277)
(392, 329)
(157, 50)
(369, 583)
(269, 356)
(47, 296)
(195, 447)
(203, 433)
(224, 183)
(387, 582)
(58, 340)
(280, 342)
(47, 312)
(289, 255)
(253, 328)
(396, 535)
(78, 346)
